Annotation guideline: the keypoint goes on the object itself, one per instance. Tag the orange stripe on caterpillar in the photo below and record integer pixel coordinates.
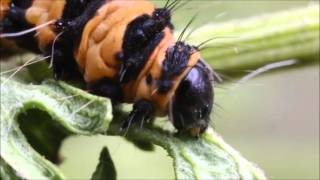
(41, 12)
(103, 36)
(4, 7)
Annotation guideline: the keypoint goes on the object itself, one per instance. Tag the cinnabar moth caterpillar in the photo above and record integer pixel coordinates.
(124, 50)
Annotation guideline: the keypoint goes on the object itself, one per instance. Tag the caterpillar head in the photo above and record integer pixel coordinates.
(192, 103)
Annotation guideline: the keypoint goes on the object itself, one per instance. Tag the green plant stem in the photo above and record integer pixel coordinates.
(253, 42)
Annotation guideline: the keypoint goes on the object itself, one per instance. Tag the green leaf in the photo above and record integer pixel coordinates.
(105, 168)
(78, 112)
(42, 133)
(207, 157)
(72, 109)
(6, 172)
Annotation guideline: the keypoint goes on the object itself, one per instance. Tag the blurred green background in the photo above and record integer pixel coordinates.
(273, 120)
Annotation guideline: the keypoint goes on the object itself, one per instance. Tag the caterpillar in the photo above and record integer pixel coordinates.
(123, 50)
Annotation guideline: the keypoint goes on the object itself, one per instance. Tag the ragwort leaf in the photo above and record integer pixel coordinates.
(74, 110)
(78, 112)
(105, 168)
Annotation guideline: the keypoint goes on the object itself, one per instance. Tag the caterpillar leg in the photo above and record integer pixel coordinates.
(142, 110)
(57, 63)
(63, 64)
(106, 88)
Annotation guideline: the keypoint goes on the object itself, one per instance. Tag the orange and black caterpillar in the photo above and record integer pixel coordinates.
(124, 50)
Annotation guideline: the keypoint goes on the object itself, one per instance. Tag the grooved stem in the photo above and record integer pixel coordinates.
(253, 42)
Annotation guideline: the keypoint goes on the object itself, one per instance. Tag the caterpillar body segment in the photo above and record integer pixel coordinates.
(122, 49)
(103, 37)
(4, 7)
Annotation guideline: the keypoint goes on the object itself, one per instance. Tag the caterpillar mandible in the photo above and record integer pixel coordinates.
(124, 50)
